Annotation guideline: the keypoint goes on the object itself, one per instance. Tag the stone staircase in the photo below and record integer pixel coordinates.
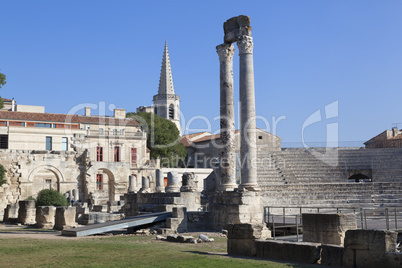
(298, 177)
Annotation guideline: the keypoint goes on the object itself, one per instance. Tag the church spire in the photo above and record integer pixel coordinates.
(166, 80)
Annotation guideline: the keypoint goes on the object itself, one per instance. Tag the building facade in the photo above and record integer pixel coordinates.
(91, 155)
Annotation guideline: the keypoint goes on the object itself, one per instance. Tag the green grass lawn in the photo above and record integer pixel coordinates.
(119, 251)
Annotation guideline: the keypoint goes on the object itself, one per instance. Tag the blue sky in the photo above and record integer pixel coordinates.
(307, 55)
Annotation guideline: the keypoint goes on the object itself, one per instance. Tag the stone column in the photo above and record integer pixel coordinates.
(132, 184)
(160, 183)
(248, 146)
(228, 153)
(173, 182)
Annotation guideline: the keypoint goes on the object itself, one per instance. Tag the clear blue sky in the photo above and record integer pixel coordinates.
(307, 54)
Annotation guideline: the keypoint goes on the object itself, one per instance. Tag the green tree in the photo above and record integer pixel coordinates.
(50, 197)
(163, 138)
(2, 175)
(2, 83)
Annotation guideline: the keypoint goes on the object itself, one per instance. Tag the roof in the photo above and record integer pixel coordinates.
(166, 80)
(213, 137)
(66, 118)
(185, 141)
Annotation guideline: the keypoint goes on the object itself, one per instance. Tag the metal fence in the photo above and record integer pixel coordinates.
(279, 218)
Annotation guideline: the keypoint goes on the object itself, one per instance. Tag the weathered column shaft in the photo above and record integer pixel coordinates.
(248, 146)
(228, 153)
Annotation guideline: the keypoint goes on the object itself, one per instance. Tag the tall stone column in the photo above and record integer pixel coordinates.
(248, 146)
(228, 153)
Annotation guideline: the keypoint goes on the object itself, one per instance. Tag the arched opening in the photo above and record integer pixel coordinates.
(44, 177)
(171, 111)
(155, 110)
(104, 186)
(359, 178)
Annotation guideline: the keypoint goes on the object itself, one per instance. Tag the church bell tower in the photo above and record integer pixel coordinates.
(166, 102)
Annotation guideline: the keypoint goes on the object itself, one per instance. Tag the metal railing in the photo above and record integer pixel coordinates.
(280, 218)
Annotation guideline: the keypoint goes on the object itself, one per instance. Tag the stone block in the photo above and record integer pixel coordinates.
(327, 228)
(241, 247)
(371, 240)
(179, 212)
(11, 213)
(99, 208)
(27, 212)
(246, 231)
(331, 255)
(65, 217)
(289, 251)
(45, 217)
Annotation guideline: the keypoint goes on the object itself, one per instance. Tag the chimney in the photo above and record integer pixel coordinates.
(87, 111)
(119, 113)
(395, 132)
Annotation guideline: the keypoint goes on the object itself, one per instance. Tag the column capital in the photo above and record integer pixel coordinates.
(245, 44)
(225, 52)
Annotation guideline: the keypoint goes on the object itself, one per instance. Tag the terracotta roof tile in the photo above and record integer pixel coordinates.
(66, 118)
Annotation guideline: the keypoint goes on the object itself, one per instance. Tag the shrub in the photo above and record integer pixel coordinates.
(2, 175)
(50, 197)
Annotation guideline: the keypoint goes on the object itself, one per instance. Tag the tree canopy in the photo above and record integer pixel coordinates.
(163, 138)
(2, 83)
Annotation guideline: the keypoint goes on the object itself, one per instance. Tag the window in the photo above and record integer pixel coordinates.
(171, 111)
(99, 153)
(155, 110)
(99, 181)
(114, 131)
(48, 184)
(3, 141)
(16, 124)
(134, 155)
(260, 137)
(100, 131)
(46, 125)
(86, 127)
(121, 132)
(49, 143)
(116, 154)
(64, 144)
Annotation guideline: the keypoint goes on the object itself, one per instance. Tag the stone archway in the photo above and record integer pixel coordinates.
(104, 186)
(44, 177)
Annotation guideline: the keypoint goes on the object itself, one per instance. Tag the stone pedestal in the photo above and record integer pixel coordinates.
(327, 228)
(65, 218)
(160, 182)
(235, 208)
(27, 212)
(173, 183)
(45, 217)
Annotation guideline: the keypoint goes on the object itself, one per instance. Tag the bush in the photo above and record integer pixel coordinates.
(50, 197)
(2, 175)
